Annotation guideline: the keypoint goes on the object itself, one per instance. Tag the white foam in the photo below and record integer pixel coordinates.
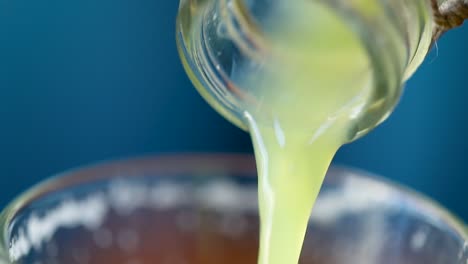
(125, 196)
(333, 205)
(225, 195)
(88, 212)
(168, 195)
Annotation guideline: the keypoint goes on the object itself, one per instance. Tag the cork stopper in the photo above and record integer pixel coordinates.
(448, 15)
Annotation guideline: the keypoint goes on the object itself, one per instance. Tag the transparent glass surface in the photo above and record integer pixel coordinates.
(203, 209)
(223, 43)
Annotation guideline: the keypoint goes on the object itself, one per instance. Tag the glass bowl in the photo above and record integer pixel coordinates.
(202, 209)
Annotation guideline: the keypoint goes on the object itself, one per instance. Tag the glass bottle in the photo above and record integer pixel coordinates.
(221, 39)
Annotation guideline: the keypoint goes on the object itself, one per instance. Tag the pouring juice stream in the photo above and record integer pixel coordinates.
(301, 121)
(303, 88)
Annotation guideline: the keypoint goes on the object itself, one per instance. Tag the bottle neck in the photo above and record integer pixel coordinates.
(221, 35)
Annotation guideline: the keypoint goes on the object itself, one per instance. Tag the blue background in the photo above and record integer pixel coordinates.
(89, 80)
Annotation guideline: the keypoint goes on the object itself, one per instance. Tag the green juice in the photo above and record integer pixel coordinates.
(308, 94)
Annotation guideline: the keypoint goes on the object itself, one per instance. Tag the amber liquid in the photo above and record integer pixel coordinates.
(177, 236)
(149, 237)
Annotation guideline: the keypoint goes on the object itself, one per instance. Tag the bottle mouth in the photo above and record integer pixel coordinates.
(208, 57)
